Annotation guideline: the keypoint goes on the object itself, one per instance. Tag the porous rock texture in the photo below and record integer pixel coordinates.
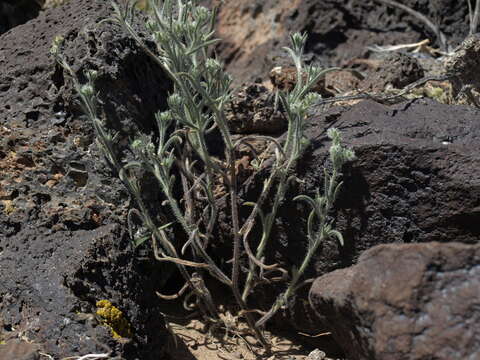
(63, 243)
(409, 301)
(396, 70)
(464, 65)
(415, 180)
(254, 32)
(62, 211)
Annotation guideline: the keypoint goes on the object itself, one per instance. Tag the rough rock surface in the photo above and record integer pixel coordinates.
(397, 70)
(63, 244)
(19, 350)
(339, 30)
(464, 65)
(33, 89)
(62, 213)
(252, 111)
(415, 180)
(411, 301)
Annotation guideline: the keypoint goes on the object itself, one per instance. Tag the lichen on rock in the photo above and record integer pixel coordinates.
(113, 318)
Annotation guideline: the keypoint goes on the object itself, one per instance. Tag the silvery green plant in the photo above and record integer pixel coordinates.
(189, 175)
(319, 224)
(296, 105)
(182, 33)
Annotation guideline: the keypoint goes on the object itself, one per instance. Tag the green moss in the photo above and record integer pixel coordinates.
(113, 318)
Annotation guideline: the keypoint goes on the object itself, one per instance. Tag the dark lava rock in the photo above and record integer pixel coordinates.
(33, 88)
(397, 70)
(464, 65)
(63, 242)
(339, 30)
(62, 210)
(17, 12)
(415, 180)
(409, 301)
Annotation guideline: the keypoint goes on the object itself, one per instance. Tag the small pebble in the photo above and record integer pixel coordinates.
(316, 355)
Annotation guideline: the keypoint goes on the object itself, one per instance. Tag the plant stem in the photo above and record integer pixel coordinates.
(292, 148)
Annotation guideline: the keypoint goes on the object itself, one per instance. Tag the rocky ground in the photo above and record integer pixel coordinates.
(404, 286)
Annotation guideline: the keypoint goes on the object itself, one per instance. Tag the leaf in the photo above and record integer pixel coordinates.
(202, 45)
(163, 227)
(337, 190)
(338, 235)
(140, 240)
(122, 174)
(310, 231)
(260, 212)
(307, 199)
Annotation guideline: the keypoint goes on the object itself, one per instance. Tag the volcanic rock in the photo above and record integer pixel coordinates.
(405, 301)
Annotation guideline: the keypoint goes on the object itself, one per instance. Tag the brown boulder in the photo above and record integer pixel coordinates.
(411, 301)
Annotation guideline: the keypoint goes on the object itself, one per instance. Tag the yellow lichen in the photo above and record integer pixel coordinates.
(441, 92)
(8, 207)
(113, 318)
